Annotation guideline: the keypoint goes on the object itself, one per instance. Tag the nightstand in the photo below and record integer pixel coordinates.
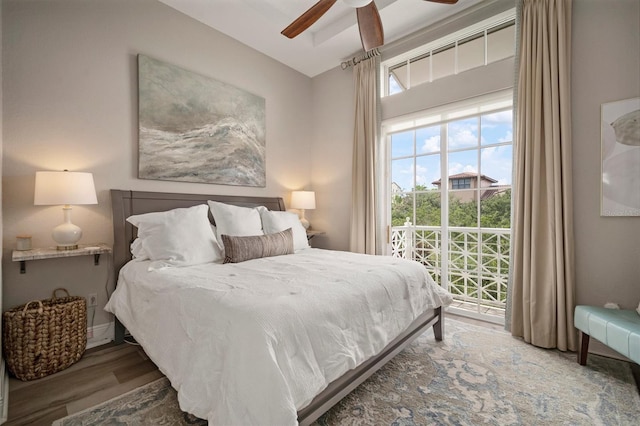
(51, 252)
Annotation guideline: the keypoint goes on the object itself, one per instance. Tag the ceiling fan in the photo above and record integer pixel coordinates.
(369, 23)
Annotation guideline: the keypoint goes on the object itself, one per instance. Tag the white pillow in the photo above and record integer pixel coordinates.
(178, 237)
(235, 221)
(137, 251)
(276, 221)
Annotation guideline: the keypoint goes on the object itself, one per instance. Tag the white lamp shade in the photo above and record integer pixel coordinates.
(303, 200)
(55, 188)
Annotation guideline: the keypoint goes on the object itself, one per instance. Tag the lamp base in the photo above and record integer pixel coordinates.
(305, 223)
(66, 235)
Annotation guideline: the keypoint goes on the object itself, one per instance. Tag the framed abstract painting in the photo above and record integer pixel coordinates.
(193, 128)
(620, 186)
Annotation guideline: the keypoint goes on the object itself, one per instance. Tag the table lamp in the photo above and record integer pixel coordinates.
(66, 188)
(303, 200)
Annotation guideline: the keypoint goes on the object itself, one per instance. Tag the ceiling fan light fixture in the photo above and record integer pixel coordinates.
(357, 3)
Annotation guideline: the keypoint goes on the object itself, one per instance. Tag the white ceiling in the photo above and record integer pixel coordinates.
(333, 38)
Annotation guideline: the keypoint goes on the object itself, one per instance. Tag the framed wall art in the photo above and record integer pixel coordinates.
(620, 186)
(193, 128)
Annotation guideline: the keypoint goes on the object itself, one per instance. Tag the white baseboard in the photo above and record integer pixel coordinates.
(4, 392)
(102, 334)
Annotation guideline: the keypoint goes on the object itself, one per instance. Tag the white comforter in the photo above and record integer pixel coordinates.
(252, 343)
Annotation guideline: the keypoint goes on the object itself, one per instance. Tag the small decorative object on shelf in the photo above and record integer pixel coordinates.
(23, 242)
(52, 252)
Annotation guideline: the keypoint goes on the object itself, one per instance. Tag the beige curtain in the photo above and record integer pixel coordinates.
(542, 288)
(363, 192)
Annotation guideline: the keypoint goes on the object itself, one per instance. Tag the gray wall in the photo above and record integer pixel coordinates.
(70, 101)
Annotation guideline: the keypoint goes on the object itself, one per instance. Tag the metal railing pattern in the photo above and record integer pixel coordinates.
(478, 261)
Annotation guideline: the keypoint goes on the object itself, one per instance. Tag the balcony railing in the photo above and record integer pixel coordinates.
(478, 261)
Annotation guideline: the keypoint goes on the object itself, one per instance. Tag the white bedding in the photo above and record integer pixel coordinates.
(252, 343)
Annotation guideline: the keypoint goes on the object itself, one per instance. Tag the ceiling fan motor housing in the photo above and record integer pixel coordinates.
(357, 3)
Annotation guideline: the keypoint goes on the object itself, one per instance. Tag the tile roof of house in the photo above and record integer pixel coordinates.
(467, 175)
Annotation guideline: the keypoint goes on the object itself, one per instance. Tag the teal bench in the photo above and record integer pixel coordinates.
(617, 328)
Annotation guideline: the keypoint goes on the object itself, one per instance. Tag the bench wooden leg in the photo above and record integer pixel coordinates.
(583, 349)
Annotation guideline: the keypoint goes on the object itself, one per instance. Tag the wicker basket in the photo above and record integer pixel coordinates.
(46, 336)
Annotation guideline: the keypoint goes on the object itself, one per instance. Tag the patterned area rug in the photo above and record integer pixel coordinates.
(475, 376)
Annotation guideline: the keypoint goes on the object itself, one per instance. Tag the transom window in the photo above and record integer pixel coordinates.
(481, 44)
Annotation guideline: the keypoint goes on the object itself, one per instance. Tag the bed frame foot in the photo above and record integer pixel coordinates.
(119, 332)
(438, 327)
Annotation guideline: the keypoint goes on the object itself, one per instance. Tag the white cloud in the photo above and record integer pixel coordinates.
(504, 117)
(496, 163)
(455, 168)
(507, 138)
(431, 144)
(421, 172)
(462, 137)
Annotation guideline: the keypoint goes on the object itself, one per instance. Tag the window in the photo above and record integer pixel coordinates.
(460, 230)
(486, 42)
(464, 183)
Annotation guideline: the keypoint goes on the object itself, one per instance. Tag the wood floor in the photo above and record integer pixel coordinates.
(102, 374)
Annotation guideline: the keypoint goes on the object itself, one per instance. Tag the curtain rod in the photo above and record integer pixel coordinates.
(357, 59)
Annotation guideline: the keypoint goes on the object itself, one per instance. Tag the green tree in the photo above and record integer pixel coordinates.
(495, 211)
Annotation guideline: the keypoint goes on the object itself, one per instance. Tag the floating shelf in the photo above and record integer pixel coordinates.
(51, 253)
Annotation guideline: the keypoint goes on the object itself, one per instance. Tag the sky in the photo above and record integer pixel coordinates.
(473, 147)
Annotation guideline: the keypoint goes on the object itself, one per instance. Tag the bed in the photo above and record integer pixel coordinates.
(148, 311)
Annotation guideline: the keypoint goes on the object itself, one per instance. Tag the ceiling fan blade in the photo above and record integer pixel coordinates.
(443, 1)
(370, 25)
(308, 18)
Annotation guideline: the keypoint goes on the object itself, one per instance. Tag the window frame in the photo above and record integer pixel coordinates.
(475, 108)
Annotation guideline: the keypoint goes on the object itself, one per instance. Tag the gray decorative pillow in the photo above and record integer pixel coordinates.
(239, 249)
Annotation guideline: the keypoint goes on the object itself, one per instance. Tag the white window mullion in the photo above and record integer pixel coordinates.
(444, 205)
(389, 193)
(478, 210)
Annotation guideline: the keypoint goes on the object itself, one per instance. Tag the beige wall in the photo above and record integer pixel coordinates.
(606, 68)
(70, 101)
(332, 156)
